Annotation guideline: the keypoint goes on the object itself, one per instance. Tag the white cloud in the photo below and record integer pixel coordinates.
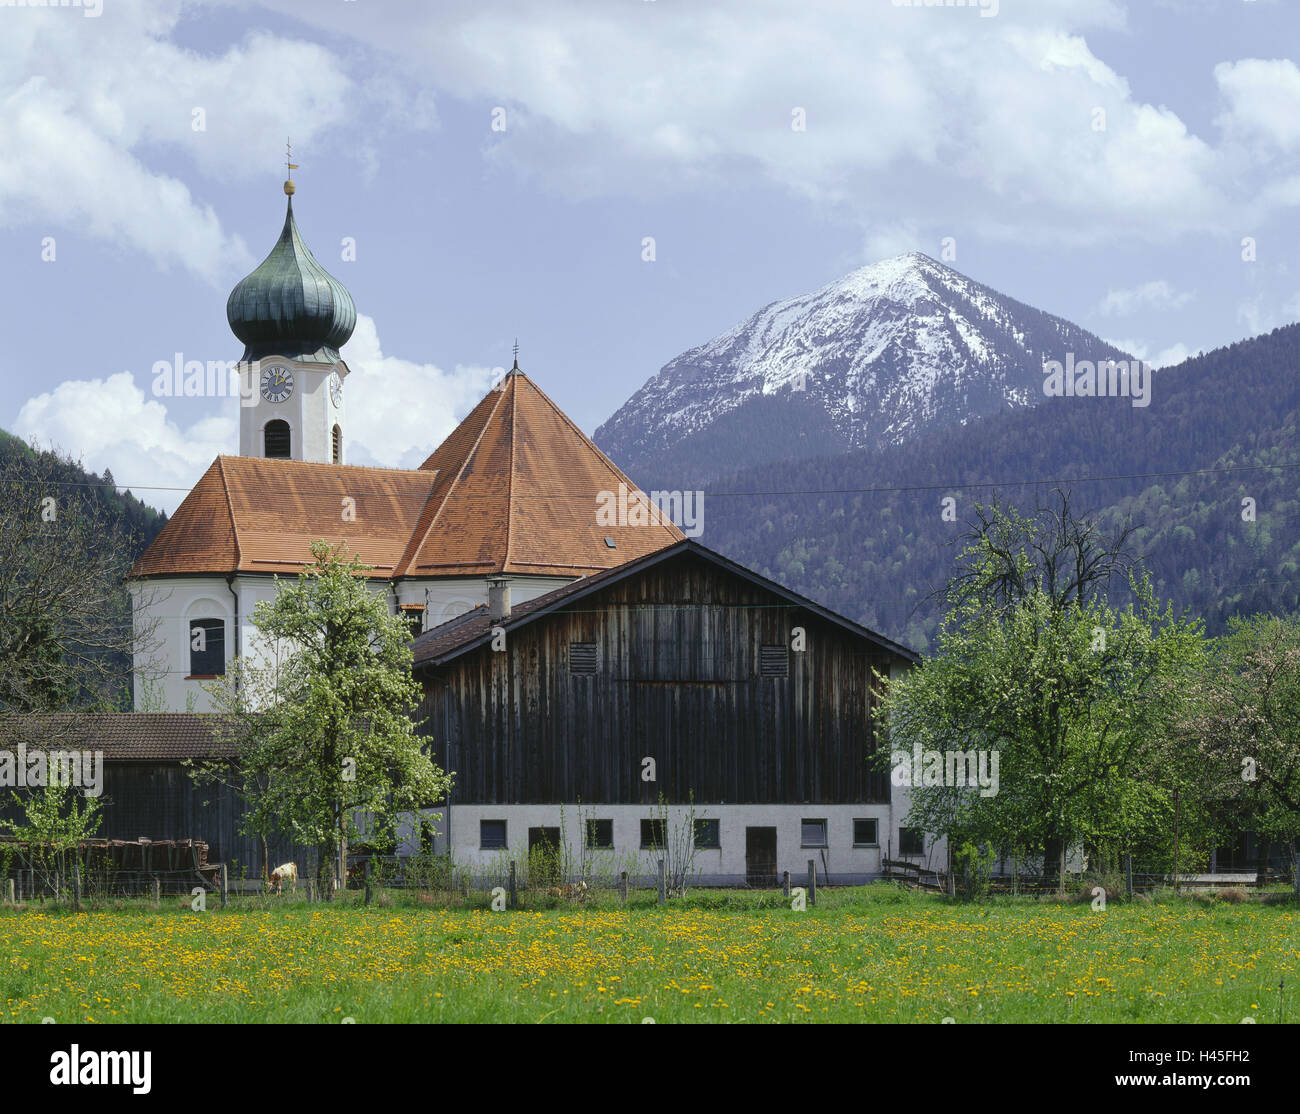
(1263, 101)
(109, 423)
(1167, 357)
(908, 109)
(1157, 295)
(399, 411)
(90, 107)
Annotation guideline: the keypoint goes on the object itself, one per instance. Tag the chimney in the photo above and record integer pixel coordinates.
(498, 599)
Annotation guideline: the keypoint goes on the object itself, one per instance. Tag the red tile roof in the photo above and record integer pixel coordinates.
(512, 489)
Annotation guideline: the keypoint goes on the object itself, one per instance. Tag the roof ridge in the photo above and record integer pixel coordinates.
(602, 456)
(280, 461)
(457, 477)
(510, 482)
(412, 549)
(230, 510)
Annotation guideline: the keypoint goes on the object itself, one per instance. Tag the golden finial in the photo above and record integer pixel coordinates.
(288, 179)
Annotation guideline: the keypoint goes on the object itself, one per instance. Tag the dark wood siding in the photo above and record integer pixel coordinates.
(158, 800)
(678, 680)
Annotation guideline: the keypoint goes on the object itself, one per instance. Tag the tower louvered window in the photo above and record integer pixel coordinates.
(276, 439)
(336, 445)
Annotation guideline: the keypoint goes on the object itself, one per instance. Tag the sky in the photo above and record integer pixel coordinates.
(500, 167)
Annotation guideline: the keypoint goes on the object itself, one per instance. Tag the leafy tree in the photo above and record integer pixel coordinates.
(1035, 664)
(56, 818)
(1243, 724)
(323, 725)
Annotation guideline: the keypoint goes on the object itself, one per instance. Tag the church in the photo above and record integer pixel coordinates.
(599, 684)
(508, 499)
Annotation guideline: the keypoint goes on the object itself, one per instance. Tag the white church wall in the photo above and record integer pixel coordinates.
(171, 606)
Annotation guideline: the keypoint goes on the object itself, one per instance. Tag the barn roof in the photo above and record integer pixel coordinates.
(513, 489)
(125, 736)
(467, 632)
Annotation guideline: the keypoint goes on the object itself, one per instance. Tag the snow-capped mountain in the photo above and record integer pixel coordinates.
(889, 351)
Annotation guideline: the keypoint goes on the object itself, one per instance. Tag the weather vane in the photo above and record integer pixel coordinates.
(516, 350)
(288, 155)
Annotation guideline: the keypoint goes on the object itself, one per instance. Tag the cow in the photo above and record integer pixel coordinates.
(285, 872)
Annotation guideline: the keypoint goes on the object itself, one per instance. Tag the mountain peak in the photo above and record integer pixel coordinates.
(890, 350)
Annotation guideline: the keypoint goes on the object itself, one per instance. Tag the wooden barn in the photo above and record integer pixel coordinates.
(679, 699)
(146, 791)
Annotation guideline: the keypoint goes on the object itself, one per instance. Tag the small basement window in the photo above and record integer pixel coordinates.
(600, 833)
(773, 661)
(813, 833)
(491, 834)
(582, 657)
(911, 841)
(653, 833)
(865, 833)
(707, 834)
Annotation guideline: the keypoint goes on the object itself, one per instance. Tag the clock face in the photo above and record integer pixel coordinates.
(336, 389)
(277, 383)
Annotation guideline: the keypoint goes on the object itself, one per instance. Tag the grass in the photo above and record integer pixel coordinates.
(869, 954)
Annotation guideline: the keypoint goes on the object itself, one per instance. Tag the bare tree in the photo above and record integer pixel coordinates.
(67, 636)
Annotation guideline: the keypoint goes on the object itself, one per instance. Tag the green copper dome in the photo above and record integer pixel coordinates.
(291, 306)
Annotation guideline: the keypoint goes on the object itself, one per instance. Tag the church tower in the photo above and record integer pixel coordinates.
(292, 317)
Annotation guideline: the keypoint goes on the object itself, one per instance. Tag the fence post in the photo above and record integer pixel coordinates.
(311, 887)
(1128, 874)
(10, 889)
(367, 881)
(785, 882)
(514, 887)
(225, 886)
(663, 882)
(157, 891)
(76, 887)
(812, 881)
(623, 884)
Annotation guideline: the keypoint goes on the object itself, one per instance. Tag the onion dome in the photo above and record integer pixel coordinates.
(290, 305)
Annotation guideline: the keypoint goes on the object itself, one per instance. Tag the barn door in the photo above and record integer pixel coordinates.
(760, 856)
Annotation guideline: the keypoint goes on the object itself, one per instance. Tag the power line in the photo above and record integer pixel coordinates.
(883, 489)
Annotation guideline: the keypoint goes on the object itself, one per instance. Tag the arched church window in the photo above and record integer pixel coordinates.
(276, 437)
(336, 441)
(207, 647)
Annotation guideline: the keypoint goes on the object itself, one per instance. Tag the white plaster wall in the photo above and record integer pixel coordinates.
(844, 861)
(175, 604)
(444, 599)
(177, 601)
